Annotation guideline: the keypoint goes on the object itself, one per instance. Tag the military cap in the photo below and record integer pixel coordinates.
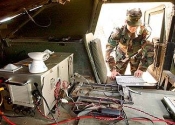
(133, 17)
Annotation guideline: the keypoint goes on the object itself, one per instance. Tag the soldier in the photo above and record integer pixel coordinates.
(130, 45)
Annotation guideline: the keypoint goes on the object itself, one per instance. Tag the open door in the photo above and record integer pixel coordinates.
(155, 18)
(158, 18)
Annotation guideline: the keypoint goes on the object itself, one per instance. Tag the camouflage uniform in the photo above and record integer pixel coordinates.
(131, 48)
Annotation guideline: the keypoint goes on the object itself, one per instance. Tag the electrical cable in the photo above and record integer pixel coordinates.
(125, 118)
(31, 18)
(70, 98)
(140, 118)
(36, 85)
(64, 87)
(14, 116)
(1, 89)
(162, 120)
(0, 119)
(117, 102)
(1, 99)
(6, 119)
(43, 114)
(84, 117)
(105, 118)
(167, 121)
(79, 103)
(63, 1)
(134, 119)
(121, 118)
(57, 94)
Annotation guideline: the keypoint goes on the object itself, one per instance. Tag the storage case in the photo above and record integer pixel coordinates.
(21, 82)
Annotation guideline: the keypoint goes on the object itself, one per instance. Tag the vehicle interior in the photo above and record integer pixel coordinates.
(53, 68)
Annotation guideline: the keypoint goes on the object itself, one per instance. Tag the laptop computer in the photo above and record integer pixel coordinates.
(169, 103)
(130, 80)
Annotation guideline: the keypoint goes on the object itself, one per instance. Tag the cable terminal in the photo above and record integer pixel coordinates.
(2, 88)
(64, 101)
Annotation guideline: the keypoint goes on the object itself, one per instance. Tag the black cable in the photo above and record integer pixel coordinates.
(36, 85)
(12, 116)
(31, 18)
(125, 118)
(131, 119)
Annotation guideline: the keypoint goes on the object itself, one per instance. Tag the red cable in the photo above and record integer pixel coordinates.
(1, 80)
(8, 121)
(56, 94)
(43, 114)
(57, 90)
(156, 120)
(109, 119)
(85, 117)
(159, 119)
(72, 119)
(106, 118)
(77, 103)
(65, 85)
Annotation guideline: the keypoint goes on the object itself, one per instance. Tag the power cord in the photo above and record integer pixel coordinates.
(36, 85)
(1, 89)
(31, 18)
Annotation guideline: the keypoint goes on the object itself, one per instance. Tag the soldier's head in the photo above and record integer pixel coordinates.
(133, 19)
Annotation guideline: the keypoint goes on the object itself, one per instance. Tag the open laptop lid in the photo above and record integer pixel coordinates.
(130, 80)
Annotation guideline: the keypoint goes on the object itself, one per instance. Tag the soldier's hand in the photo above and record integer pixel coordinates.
(138, 73)
(114, 73)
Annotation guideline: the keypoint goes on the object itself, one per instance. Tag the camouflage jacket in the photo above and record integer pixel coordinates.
(131, 48)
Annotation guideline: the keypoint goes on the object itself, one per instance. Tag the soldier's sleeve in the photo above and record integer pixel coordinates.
(147, 56)
(110, 59)
(112, 43)
(145, 33)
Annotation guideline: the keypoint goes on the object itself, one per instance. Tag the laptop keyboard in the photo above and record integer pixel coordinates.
(129, 79)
